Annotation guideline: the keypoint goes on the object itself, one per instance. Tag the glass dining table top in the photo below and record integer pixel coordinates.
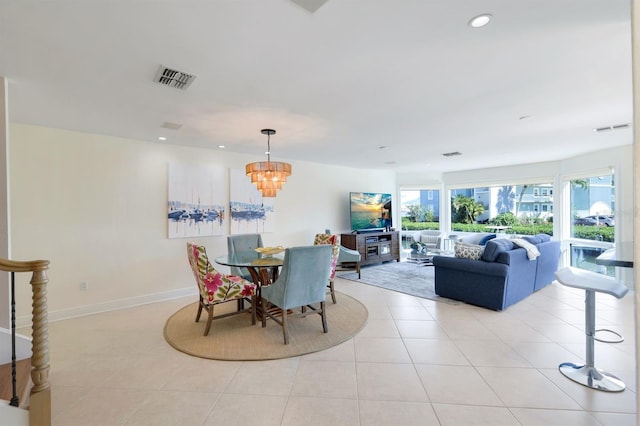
(249, 259)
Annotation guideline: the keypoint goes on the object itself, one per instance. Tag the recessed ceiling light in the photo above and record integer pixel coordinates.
(480, 20)
(383, 147)
(162, 138)
(221, 146)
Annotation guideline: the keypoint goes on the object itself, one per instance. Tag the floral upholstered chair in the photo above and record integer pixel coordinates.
(334, 241)
(215, 287)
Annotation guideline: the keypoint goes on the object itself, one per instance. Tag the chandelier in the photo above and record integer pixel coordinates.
(269, 176)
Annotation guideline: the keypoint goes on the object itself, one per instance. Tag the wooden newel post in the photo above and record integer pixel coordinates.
(40, 397)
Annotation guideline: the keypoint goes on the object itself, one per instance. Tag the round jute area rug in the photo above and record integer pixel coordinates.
(234, 338)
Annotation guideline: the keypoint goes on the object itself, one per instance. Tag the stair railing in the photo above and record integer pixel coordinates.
(40, 396)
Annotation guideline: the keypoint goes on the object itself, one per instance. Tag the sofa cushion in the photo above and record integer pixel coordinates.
(537, 239)
(468, 251)
(473, 238)
(494, 247)
(486, 238)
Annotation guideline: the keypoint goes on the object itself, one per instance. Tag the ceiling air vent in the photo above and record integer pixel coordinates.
(614, 127)
(452, 154)
(171, 126)
(173, 78)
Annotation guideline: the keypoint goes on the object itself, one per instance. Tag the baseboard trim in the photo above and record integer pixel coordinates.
(80, 311)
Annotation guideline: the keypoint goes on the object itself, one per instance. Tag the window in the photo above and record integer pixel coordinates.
(420, 209)
(508, 205)
(592, 209)
(592, 218)
(545, 207)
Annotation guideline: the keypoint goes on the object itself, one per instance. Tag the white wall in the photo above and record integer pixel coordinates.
(96, 207)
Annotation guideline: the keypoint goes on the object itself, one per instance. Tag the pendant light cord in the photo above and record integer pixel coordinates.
(269, 147)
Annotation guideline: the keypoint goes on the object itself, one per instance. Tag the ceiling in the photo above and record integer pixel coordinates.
(376, 84)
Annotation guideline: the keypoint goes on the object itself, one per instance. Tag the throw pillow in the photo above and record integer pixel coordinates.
(537, 239)
(495, 247)
(468, 251)
(486, 238)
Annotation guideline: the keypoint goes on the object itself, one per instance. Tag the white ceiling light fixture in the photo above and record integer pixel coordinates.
(310, 5)
(480, 20)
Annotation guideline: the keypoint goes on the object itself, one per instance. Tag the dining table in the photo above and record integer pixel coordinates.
(263, 268)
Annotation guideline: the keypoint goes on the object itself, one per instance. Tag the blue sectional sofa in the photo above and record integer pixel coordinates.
(502, 276)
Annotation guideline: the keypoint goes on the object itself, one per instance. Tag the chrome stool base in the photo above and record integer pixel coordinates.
(592, 377)
(619, 336)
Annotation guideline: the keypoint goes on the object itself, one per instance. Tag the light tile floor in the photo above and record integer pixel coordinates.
(417, 362)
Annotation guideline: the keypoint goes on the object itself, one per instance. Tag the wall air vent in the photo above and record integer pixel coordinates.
(614, 127)
(452, 154)
(173, 78)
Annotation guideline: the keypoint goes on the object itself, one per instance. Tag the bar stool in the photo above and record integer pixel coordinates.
(591, 282)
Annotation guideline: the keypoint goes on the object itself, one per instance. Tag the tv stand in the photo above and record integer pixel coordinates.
(373, 246)
(368, 231)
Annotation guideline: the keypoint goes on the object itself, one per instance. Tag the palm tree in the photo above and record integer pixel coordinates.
(580, 183)
(522, 191)
(506, 197)
(466, 208)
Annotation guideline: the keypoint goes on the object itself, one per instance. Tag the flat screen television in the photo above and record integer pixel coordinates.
(370, 211)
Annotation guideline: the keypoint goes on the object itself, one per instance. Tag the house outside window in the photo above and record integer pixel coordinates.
(510, 205)
(420, 209)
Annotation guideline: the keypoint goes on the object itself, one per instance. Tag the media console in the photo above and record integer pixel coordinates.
(374, 247)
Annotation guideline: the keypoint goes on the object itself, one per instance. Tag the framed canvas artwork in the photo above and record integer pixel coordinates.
(250, 212)
(196, 202)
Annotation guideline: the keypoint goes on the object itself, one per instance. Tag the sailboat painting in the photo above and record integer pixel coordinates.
(196, 201)
(250, 212)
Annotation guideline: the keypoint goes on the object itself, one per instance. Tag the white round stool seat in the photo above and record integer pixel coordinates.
(591, 282)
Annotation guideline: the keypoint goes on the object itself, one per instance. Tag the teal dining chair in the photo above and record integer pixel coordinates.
(301, 284)
(242, 242)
